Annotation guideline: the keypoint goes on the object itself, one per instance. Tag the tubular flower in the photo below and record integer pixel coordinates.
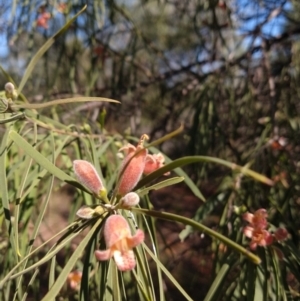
(87, 175)
(132, 166)
(154, 162)
(120, 242)
(259, 237)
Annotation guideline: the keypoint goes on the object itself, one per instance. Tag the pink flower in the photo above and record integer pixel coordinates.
(258, 219)
(154, 162)
(74, 279)
(257, 228)
(259, 237)
(281, 234)
(120, 242)
(87, 175)
(132, 166)
(43, 19)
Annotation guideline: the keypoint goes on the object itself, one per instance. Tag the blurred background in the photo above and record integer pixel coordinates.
(229, 70)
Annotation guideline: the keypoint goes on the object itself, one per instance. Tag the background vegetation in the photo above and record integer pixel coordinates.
(227, 70)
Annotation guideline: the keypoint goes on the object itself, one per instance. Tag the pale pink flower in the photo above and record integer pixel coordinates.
(259, 237)
(87, 175)
(120, 242)
(43, 19)
(74, 279)
(131, 172)
(258, 219)
(154, 162)
(257, 228)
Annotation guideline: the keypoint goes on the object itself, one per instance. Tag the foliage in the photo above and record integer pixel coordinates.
(238, 100)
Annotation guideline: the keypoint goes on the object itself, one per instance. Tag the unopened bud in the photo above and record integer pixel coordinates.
(281, 234)
(87, 175)
(85, 212)
(130, 199)
(9, 87)
(10, 91)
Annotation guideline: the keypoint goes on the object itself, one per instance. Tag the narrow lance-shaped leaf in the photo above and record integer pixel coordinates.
(40, 159)
(198, 226)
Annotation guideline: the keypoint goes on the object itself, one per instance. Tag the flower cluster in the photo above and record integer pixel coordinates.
(117, 234)
(257, 230)
(137, 162)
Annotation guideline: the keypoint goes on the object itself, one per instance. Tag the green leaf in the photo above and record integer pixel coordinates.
(4, 192)
(61, 101)
(197, 159)
(61, 279)
(40, 159)
(160, 185)
(218, 281)
(167, 273)
(202, 228)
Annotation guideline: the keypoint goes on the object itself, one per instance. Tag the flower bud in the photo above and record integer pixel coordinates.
(10, 91)
(130, 199)
(281, 234)
(132, 166)
(87, 175)
(154, 162)
(85, 212)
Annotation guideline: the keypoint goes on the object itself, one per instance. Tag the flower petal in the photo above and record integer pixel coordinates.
(248, 231)
(136, 239)
(125, 261)
(131, 172)
(248, 217)
(116, 228)
(154, 162)
(103, 255)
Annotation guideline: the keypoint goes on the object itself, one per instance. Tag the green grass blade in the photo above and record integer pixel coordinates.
(197, 159)
(161, 184)
(167, 273)
(202, 228)
(142, 291)
(62, 101)
(4, 192)
(48, 256)
(40, 159)
(52, 272)
(217, 282)
(116, 285)
(11, 274)
(30, 283)
(61, 279)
